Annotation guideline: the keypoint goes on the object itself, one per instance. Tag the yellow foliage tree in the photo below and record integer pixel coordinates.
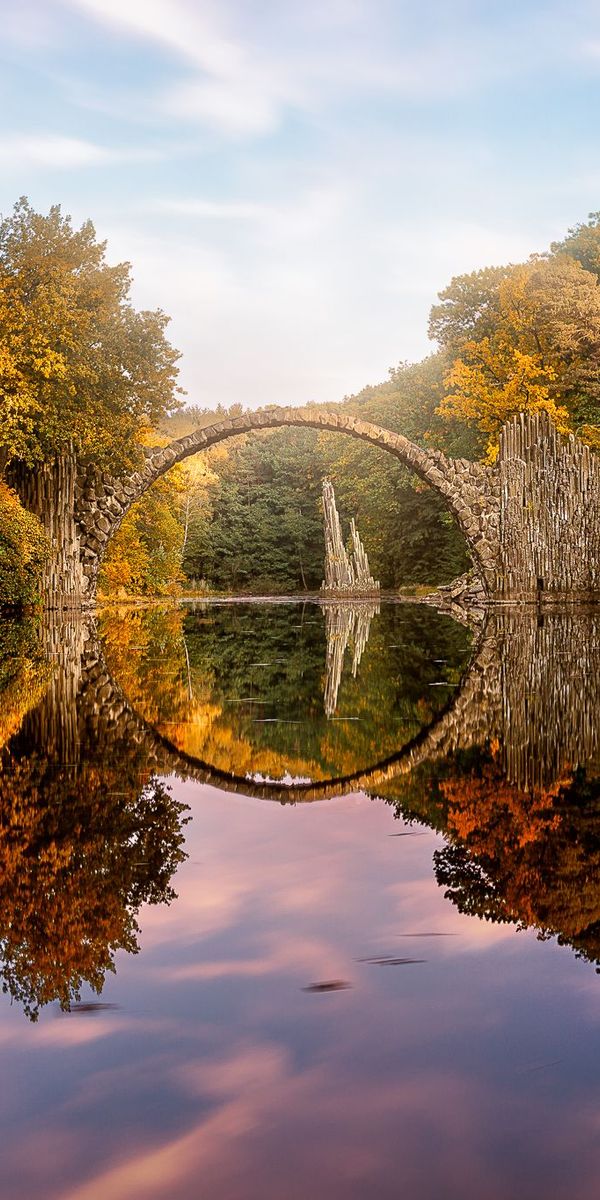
(532, 344)
(145, 556)
(78, 365)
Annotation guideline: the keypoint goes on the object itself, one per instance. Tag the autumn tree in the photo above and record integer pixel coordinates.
(78, 364)
(524, 338)
(583, 244)
(145, 555)
(23, 550)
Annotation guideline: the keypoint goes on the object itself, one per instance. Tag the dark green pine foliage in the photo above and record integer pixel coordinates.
(264, 533)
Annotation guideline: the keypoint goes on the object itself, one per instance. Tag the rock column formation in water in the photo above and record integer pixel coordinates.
(345, 574)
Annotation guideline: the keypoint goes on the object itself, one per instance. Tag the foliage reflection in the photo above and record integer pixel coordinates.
(89, 832)
(86, 838)
(245, 687)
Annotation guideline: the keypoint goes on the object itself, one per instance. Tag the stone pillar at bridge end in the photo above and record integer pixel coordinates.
(549, 514)
(49, 492)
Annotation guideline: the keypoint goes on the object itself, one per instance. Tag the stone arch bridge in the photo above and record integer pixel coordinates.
(531, 522)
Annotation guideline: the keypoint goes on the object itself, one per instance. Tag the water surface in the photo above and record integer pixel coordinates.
(214, 987)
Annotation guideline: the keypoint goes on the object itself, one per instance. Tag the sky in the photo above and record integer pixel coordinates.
(293, 182)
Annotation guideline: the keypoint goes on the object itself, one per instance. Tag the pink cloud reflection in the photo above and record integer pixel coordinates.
(235, 1084)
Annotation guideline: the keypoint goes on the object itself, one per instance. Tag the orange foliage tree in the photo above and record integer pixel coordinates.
(521, 338)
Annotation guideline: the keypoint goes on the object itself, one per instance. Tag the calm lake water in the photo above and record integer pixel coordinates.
(300, 901)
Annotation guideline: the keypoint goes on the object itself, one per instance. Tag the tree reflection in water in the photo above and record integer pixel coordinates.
(86, 838)
(249, 696)
(528, 857)
(519, 800)
(508, 772)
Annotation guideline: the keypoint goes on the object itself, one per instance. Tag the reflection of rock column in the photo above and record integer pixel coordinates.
(344, 623)
(537, 696)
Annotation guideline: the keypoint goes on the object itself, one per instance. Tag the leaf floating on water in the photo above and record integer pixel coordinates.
(89, 1006)
(274, 721)
(530, 1070)
(329, 985)
(416, 833)
(390, 962)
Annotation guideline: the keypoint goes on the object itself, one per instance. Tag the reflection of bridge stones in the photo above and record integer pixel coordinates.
(531, 522)
(531, 688)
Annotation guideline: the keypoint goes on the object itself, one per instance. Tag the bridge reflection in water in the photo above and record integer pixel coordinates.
(507, 767)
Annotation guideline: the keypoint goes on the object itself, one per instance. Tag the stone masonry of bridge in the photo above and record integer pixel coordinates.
(531, 522)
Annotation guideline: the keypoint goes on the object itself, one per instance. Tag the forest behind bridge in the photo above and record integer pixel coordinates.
(79, 367)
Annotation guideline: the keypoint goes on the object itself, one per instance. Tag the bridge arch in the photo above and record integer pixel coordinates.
(467, 488)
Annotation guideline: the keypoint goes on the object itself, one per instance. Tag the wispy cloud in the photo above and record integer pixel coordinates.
(312, 213)
(234, 88)
(30, 26)
(241, 78)
(56, 152)
(215, 210)
(187, 30)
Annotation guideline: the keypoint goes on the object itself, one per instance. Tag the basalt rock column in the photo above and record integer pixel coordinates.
(362, 572)
(345, 574)
(48, 491)
(339, 575)
(549, 515)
